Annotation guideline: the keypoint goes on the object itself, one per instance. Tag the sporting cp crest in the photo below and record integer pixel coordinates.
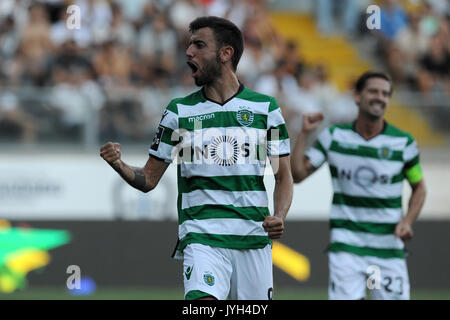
(245, 116)
(384, 152)
(209, 278)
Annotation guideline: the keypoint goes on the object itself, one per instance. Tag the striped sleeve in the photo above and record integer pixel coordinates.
(166, 137)
(412, 168)
(277, 135)
(318, 153)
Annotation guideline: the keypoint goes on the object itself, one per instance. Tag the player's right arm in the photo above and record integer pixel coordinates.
(144, 179)
(301, 167)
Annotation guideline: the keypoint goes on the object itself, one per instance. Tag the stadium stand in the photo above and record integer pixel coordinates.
(111, 78)
(344, 65)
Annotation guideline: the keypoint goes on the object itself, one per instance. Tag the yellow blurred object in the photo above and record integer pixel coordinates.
(411, 121)
(7, 283)
(290, 261)
(4, 224)
(25, 260)
(339, 57)
(412, 6)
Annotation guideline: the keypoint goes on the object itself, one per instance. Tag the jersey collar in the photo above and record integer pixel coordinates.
(385, 124)
(240, 89)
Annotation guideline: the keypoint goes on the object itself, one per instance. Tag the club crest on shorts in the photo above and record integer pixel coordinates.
(208, 278)
(245, 116)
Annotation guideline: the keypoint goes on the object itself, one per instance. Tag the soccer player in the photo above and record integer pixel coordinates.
(221, 136)
(368, 160)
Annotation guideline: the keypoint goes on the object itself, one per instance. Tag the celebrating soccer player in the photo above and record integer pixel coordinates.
(221, 135)
(368, 161)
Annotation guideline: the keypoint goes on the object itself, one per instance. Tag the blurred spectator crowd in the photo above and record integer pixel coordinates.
(414, 43)
(122, 66)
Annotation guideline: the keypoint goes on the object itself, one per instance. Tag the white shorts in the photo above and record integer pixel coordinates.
(222, 273)
(351, 275)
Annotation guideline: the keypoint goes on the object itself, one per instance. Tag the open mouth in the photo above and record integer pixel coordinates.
(193, 67)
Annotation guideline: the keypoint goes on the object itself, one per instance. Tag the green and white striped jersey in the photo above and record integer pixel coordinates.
(221, 154)
(367, 178)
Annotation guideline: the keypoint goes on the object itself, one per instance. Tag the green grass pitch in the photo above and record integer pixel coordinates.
(48, 293)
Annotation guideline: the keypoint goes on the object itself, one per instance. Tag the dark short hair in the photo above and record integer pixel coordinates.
(362, 80)
(226, 33)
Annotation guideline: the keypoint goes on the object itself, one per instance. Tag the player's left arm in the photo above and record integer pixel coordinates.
(403, 229)
(282, 197)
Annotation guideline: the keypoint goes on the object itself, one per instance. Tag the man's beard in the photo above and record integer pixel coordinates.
(210, 72)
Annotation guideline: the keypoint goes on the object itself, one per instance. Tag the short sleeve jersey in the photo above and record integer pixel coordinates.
(221, 152)
(367, 177)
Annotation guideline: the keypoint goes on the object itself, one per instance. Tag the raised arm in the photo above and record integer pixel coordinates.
(300, 165)
(144, 179)
(282, 197)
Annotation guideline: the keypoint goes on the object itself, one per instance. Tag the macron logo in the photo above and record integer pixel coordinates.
(201, 117)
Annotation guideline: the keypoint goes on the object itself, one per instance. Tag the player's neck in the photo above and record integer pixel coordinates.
(223, 88)
(368, 128)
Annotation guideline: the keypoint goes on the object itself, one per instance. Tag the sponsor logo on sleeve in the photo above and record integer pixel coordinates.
(157, 139)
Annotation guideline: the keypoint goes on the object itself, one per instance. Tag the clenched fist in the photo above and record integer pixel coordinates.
(274, 226)
(110, 152)
(404, 231)
(311, 121)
